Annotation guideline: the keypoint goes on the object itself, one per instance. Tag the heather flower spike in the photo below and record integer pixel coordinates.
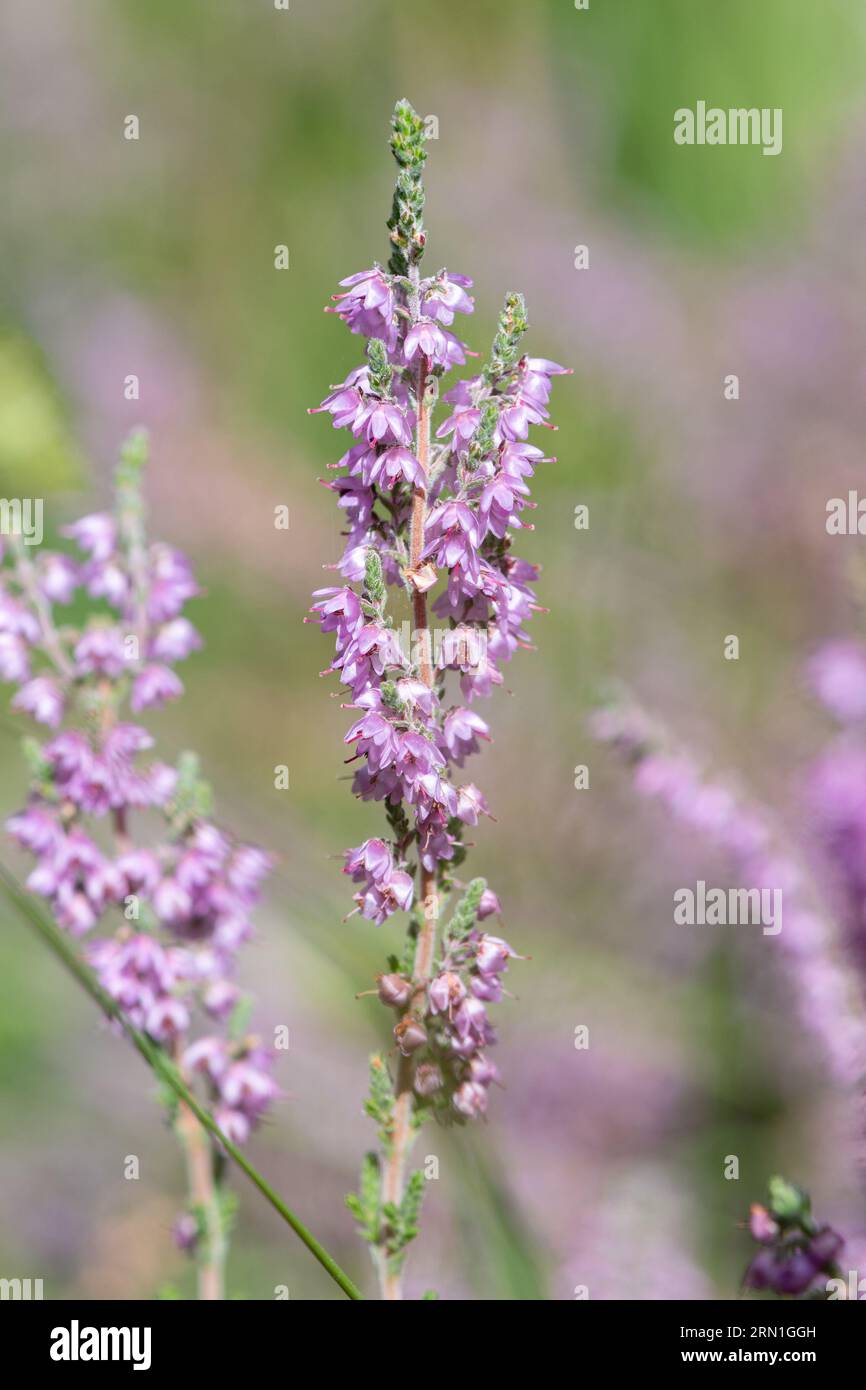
(429, 522)
(796, 1258)
(825, 989)
(161, 914)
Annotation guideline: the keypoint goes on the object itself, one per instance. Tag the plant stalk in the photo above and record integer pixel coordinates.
(167, 1072)
(403, 1129)
(213, 1247)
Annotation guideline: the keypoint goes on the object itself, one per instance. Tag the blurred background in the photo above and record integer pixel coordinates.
(601, 1167)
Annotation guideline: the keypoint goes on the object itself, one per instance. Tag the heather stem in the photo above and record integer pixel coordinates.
(48, 639)
(204, 1198)
(403, 1127)
(165, 1070)
(212, 1248)
(131, 517)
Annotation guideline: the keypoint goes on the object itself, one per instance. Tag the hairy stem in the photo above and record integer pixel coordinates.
(213, 1247)
(403, 1131)
(48, 637)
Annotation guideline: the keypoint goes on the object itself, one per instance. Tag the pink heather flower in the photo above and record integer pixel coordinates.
(107, 580)
(453, 535)
(174, 641)
(14, 658)
(492, 955)
(761, 1225)
(838, 675)
(17, 619)
(445, 992)
(166, 1020)
(42, 698)
(428, 1079)
(489, 905)
(185, 1232)
(153, 686)
(248, 1088)
(247, 869)
(371, 861)
(209, 1055)
(824, 990)
(386, 896)
(462, 425)
(95, 534)
(100, 652)
(471, 804)
(394, 990)
(58, 577)
(394, 465)
(234, 1124)
(410, 1035)
(471, 1099)
(461, 730)
(447, 296)
(441, 535)
(36, 830)
(367, 306)
(426, 336)
(170, 584)
(182, 875)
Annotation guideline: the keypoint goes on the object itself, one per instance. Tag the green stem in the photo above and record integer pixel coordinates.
(165, 1070)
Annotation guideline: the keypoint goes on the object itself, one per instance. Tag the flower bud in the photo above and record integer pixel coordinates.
(394, 990)
(489, 905)
(795, 1274)
(825, 1246)
(410, 1035)
(185, 1232)
(762, 1271)
(428, 1079)
(761, 1224)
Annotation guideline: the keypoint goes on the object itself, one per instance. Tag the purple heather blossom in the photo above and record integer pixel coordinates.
(825, 990)
(42, 698)
(394, 991)
(162, 912)
(96, 535)
(174, 641)
(835, 787)
(14, 658)
(367, 306)
(153, 685)
(431, 520)
(370, 862)
(489, 905)
(838, 675)
(58, 577)
(796, 1257)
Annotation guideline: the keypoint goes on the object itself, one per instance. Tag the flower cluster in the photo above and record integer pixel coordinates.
(420, 514)
(452, 1027)
(837, 784)
(797, 1258)
(171, 903)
